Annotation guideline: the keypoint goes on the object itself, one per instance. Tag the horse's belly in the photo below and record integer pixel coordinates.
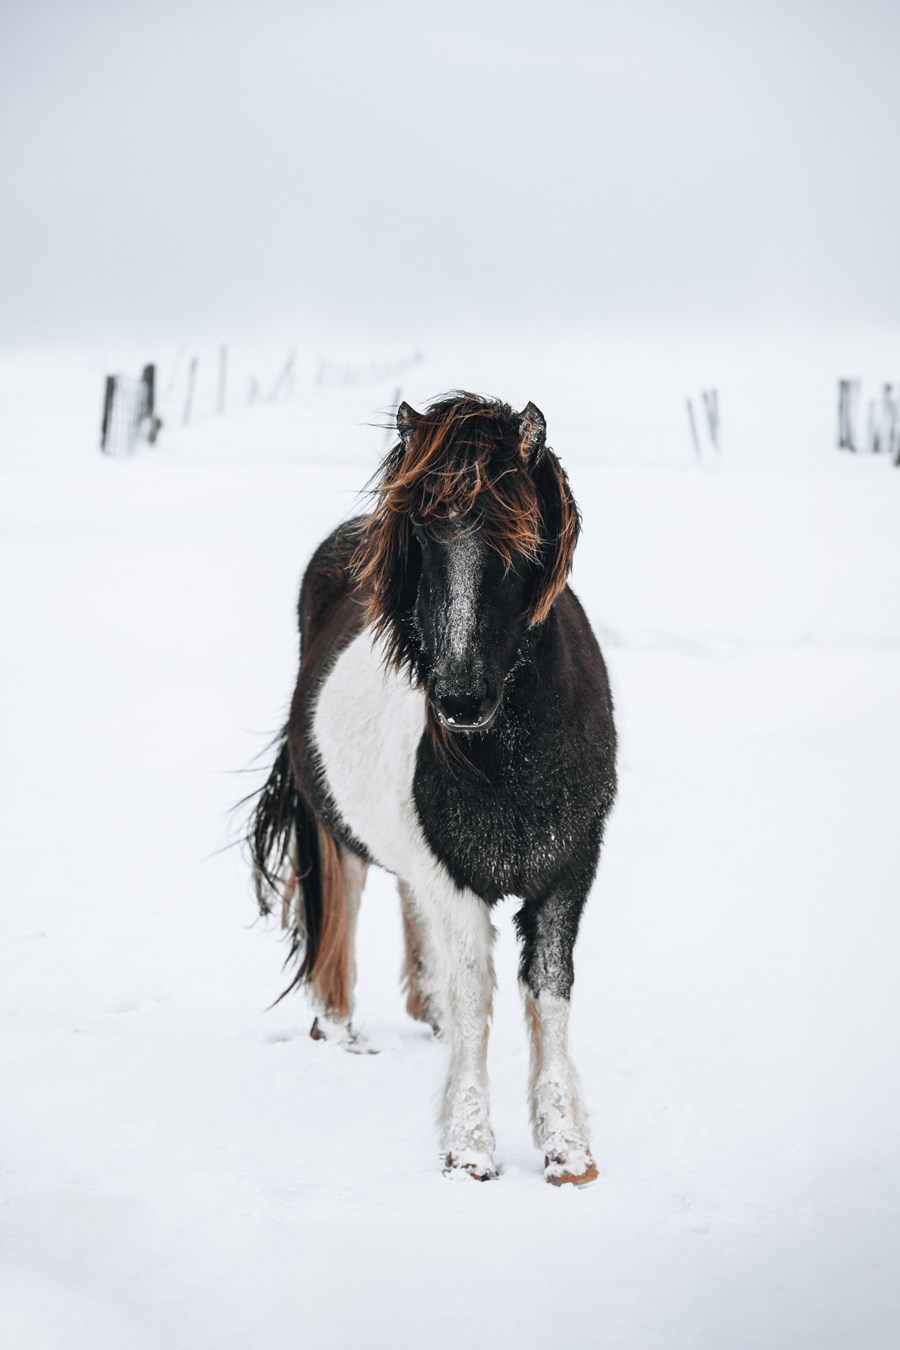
(367, 725)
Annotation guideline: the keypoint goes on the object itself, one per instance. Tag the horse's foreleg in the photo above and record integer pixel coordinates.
(548, 929)
(419, 964)
(461, 935)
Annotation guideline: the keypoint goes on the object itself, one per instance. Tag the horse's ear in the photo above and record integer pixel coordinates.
(532, 432)
(560, 528)
(407, 418)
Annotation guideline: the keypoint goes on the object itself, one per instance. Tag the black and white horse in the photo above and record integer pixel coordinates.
(452, 722)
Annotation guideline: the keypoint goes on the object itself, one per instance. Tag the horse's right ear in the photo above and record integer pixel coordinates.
(407, 418)
(532, 432)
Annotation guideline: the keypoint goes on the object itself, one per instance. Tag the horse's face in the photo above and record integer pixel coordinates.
(471, 616)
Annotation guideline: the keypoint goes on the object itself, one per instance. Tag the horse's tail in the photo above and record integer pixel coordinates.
(296, 866)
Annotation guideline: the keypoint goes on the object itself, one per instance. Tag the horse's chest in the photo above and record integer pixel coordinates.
(366, 726)
(500, 834)
(409, 805)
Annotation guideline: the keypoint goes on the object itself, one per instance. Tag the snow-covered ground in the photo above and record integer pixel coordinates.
(180, 1167)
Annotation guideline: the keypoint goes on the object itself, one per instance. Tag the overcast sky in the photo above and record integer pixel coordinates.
(172, 169)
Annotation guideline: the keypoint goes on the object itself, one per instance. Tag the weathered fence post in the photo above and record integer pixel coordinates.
(148, 378)
(223, 372)
(848, 396)
(888, 412)
(872, 439)
(285, 379)
(109, 393)
(192, 375)
(154, 423)
(711, 403)
(693, 425)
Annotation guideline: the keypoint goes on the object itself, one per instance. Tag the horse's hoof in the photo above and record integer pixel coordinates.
(420, 1010)
(577, 1170)
(478, 1166)
(342, 1034)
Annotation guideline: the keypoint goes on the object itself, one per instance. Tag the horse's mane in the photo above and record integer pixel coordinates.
(473, 457)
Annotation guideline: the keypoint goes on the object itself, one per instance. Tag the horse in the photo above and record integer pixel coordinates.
(452, 722)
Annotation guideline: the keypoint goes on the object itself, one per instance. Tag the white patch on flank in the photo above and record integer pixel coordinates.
(557, 1116)
(464, 574)
(367, 725)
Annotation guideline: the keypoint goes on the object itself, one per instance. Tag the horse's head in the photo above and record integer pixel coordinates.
(468, 547)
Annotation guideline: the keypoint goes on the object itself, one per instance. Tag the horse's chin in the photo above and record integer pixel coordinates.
(484, 725)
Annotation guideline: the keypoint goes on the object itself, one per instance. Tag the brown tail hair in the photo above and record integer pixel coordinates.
(297, 867)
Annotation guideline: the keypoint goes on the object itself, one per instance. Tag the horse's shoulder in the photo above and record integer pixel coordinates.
(575, 650)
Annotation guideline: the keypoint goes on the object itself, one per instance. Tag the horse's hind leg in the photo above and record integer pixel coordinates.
(548, 928)
(418, 974)
(333, 978)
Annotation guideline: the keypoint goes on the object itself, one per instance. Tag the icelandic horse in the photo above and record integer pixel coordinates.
(452, 722)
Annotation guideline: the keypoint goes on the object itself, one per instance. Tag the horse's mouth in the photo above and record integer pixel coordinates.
(481, 725)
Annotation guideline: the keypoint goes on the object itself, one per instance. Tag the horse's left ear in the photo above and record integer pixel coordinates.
(532, 432)
(407, 417)
(560, 528)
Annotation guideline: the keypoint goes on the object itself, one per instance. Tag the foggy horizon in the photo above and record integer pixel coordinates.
(206, 168)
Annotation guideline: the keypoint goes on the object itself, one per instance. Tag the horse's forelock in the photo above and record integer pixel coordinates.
(466, 456)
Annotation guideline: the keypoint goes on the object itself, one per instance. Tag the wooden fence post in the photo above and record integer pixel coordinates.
(148, 377)
(693, 425)
(285, 379)
(873, 441)
(223, 372)
(848, 396)
(711, 403)
(109, 394)
(192, 375)
(888, 413)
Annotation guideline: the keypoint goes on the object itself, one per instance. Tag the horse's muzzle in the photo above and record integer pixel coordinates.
(465, 711)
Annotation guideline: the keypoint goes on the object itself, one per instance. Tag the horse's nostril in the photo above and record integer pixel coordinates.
(463, 708)
(457, 709)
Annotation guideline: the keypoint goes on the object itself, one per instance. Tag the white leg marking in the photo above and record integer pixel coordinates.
(465, 937)
(557, 1116)
(354, 870)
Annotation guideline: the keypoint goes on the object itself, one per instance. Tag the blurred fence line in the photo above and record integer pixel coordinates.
(135, 410)
(710, 400)
(129, 412)
(882, 434)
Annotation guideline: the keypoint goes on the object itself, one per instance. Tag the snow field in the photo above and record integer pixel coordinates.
(181, 1168)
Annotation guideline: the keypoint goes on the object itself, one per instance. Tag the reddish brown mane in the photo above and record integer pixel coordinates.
(473, 457)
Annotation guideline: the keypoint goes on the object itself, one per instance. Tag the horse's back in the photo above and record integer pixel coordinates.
(328, 578)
